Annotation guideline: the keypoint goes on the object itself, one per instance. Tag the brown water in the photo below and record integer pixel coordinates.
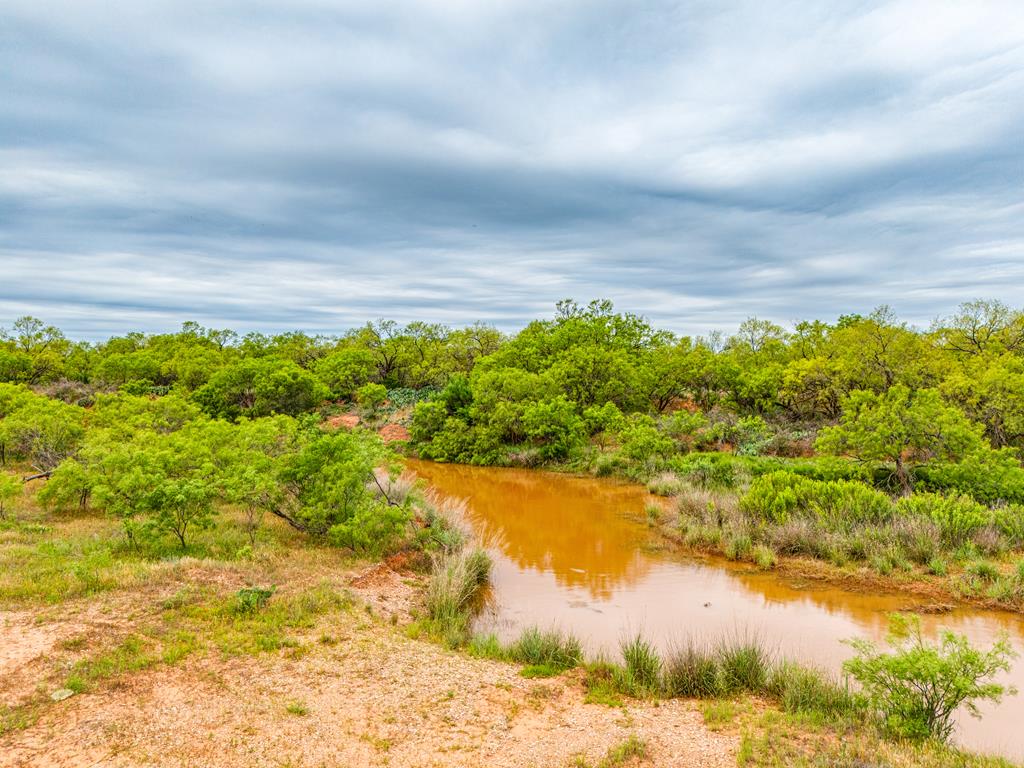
(574, 553)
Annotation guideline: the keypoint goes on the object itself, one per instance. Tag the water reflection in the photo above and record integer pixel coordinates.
(574, 552)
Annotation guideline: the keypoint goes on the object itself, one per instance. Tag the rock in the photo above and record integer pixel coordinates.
(62, 693)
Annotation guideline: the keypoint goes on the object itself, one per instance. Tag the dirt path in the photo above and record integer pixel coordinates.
(359, 694)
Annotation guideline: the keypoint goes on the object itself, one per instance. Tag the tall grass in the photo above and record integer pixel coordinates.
(454, 590)
(692, 673)
(547, 649)
(642, 674)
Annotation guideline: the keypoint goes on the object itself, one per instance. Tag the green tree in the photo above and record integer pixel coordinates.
(260, 387)
(42, 431)
(902, 429)
(371, 396)
(345, 370)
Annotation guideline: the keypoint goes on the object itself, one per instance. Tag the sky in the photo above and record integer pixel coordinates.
(313, 165)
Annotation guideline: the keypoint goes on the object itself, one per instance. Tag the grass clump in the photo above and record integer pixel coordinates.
(297, 708)
(633, 749)
(602, 683)
(802, 690)
(453, 593)
(692, 672)
(744, 665)
(641, 676)
(764, 557)
(545, 653)
(249, 600)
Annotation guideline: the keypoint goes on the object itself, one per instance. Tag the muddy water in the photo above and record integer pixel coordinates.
(575, 553)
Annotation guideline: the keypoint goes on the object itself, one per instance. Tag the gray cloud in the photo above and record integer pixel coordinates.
(323, 163)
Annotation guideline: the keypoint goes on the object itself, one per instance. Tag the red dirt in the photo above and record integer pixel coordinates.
(392, 433)
(346, 420)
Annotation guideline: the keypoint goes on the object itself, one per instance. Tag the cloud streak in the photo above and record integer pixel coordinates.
(324, 163)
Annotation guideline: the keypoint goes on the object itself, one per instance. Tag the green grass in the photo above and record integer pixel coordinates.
(641, 675)
(692, 672)
(456, 582)
(632, 749)
(744, 665)
(297, 708)
(550, 649)
(132, 654)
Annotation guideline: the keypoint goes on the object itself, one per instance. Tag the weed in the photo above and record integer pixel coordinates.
(249, 600)
(298, 708)
(764, 557)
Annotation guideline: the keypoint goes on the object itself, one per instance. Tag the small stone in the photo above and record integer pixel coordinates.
(62, 693)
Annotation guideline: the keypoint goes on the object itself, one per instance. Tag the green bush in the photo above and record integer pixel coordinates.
(252, 599)
(917, 687)
(714, 470)
(774, 497)
(957, 516)
(453, 590)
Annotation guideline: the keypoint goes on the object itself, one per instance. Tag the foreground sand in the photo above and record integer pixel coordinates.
(354, 692)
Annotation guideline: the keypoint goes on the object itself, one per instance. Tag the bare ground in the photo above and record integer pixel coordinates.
(360, 694)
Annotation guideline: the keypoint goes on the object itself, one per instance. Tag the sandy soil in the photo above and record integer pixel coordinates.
(369, 697)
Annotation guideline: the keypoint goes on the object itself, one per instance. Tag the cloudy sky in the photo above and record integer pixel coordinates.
(315, 164)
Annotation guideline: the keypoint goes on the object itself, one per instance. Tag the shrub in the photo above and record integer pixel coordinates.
(957, 516)
(738, 546)
(916, 689)
(692, 673)
(918, 536)
(10, 489)
(844, 504)
(252, 599)
(989, 541)
(775, 497)
(764, 557)
(706, 470)
(983, 570)
(665, 484)
(1009, 520)
(371, 396)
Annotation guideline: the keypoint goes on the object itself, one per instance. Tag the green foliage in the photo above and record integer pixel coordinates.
(260, 387)
(252, 599)
(902, 428)
(371, 396)
(345, 371)
(555, 427)
(550, 650)
(454, 590)
(39, 430)
(744, 665)
(918, 686)
(642, 673)
(10, 489)
(692, 672)
(958, 517)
